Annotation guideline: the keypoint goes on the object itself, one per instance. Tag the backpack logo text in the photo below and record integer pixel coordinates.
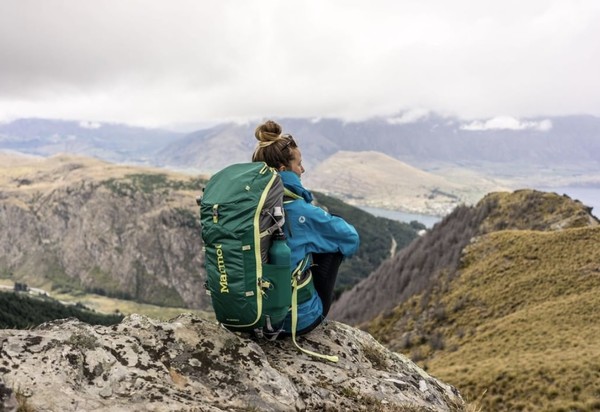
(222, 271)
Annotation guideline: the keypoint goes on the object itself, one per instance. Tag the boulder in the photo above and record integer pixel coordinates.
(193, 364)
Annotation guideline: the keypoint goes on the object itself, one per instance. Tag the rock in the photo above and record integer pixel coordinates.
(191, 364)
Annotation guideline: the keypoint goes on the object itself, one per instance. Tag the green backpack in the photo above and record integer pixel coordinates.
(241, 210)
(242, 206)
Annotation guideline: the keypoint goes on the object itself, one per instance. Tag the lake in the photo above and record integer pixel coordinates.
(427, 220)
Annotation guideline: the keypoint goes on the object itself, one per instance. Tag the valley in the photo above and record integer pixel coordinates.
(108, 305)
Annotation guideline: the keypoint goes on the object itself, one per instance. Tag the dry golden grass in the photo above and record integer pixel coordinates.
(528, 209)
(104, 304)
(520, 324)
(58, 170)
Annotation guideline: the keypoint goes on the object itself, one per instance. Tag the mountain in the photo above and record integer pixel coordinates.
(544, 151)
(439, 251)
(80, 224)
(191, 364)
(107, 141)
(499, 299)
(518, 329)
(209, 150)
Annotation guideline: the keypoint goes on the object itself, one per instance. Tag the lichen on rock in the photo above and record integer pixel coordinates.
(191, 364)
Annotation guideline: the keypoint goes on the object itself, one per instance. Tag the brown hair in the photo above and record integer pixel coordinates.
(273, 148)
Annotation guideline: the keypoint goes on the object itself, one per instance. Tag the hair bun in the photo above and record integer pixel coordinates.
(269, 131)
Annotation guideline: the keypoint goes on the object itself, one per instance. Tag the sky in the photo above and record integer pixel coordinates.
(158, 63)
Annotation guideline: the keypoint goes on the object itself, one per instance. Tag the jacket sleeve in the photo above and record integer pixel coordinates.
(323, 233)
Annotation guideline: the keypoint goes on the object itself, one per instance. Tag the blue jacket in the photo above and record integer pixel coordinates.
(310, 229)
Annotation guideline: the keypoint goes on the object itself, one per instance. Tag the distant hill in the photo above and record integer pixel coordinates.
(515, 153)
(108, 141)
(498, 299)
(554, 150)
(378, 180)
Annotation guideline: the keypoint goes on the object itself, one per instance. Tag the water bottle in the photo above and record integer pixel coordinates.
(280, 253)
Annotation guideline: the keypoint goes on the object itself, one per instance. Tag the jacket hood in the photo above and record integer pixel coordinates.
(292, 182)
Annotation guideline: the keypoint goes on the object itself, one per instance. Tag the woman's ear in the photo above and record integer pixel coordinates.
(281, 168)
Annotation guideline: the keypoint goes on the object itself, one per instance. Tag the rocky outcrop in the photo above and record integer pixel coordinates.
(191, 364)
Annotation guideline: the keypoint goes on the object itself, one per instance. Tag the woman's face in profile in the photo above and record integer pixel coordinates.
(296, 163)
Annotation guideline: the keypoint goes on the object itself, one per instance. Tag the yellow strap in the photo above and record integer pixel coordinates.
(287, 192)
(295, 323)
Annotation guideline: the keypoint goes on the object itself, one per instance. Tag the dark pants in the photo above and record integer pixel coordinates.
(324, 270)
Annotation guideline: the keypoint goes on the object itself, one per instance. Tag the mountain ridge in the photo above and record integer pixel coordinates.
(480, 155)
(117, 233)
(439, 250)
(499, 299)
(517, 328)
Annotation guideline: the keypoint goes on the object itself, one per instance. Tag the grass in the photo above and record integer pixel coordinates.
(42, 174)
(104, 304)
(149, 183)
(520, 323)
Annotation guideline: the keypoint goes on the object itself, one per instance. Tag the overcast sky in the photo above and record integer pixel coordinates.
(153, 63)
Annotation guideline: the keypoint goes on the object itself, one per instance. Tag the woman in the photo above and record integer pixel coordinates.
(318, 240)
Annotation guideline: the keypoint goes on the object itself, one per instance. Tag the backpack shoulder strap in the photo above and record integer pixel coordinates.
(289, 196)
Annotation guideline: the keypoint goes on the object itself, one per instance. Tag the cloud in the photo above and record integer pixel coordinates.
(507, 123)
(89, 125)
(410, 116)
(154, 62)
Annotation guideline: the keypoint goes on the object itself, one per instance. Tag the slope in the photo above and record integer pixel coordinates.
(75, 223)
(518, 326)
(415, 269)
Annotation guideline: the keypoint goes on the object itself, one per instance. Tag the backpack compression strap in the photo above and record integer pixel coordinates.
(295, 323)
